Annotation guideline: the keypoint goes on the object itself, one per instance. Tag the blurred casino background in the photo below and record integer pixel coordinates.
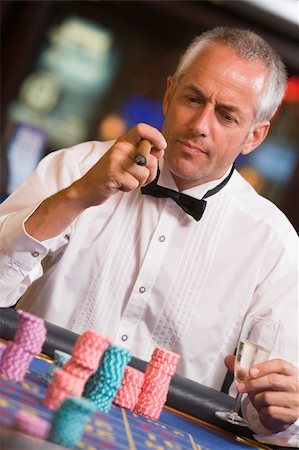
(82, 70)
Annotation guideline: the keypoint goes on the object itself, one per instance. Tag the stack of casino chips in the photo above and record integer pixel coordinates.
(71, 378)
(158, 374)
(60, 359)
(29, 339)
(102, 386)
(62, 386)
(32, 425)
(69, 421)
(127, 395)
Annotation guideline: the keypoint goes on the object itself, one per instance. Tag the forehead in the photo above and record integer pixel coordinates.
(219, 70)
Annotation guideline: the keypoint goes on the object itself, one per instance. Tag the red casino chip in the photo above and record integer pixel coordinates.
(89, 348)
(157, 379)
(127, 395)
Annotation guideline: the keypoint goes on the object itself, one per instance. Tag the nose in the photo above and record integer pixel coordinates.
(201, 121)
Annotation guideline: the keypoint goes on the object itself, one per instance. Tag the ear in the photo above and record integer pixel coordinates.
(168, 94)
(256, 137)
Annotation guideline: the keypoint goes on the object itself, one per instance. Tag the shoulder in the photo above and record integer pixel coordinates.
(258, 211)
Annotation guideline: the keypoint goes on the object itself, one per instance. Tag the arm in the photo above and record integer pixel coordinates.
(39, 216)
(116, 170)
(271, 407)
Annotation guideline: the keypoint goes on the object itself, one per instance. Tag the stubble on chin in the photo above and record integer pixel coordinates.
(185, 173)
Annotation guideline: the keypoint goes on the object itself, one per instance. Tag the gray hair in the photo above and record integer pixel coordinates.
(250, 46)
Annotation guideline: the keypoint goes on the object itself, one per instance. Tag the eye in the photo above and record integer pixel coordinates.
(192, 99)
(226, 117)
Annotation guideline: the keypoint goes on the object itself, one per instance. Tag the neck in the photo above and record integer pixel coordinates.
(184, 184)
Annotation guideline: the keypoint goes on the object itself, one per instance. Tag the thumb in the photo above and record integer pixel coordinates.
(229, 361)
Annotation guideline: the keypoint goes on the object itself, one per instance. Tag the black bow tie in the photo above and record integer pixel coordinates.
(192, 206)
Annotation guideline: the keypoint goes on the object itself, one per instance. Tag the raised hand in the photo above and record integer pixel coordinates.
(117, 170)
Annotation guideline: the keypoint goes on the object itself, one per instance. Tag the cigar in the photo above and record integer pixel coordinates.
(144, 146)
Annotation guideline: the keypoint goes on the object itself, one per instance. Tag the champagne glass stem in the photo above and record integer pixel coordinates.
(237, 404)
(232, 415)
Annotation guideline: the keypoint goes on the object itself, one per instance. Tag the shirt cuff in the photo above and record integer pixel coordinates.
(19, 246)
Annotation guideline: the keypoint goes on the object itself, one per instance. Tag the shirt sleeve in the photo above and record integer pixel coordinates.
(21, 257)
(286, 438)
(279, 284)
(276, 295)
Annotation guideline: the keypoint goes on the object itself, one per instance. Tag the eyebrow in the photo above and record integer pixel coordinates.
(198, 91)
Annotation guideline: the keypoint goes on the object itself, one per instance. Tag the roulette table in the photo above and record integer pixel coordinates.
(188, 420)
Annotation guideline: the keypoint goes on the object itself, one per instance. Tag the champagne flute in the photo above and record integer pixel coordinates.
(256, 341)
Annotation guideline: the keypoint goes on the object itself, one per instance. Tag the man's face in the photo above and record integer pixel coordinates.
(209, 115)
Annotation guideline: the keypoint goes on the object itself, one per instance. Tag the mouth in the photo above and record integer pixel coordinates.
(191, 148)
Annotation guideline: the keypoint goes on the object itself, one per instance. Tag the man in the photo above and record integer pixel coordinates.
(97, 253)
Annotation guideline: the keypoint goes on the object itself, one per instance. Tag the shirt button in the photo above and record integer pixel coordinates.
(162, 238)
(142, 289)
(124, 337)
(35, 254)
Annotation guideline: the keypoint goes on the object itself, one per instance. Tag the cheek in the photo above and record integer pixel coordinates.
(165, 131)
(170, 126)
(230, 141)
(175, 118)
(226, 147)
